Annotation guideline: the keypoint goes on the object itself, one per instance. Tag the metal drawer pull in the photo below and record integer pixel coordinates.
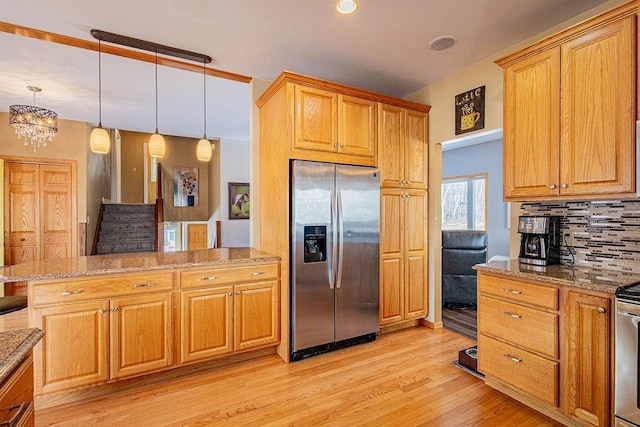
(142, 285)
(257, 273)
(512, 291)
(16, 417)
(513, 359)
(515, 316)
(208, 278)
(114, 309)
(71, 293)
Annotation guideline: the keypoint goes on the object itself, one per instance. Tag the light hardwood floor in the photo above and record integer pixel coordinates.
(403, 378)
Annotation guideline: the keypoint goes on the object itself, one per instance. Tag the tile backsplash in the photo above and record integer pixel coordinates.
(606, 233)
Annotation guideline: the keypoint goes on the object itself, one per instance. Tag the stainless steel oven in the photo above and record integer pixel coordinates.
(627, 382)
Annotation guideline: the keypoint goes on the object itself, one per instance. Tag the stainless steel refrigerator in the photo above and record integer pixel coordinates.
(335, 239)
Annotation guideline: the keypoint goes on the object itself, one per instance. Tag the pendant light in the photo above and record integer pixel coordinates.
(347, 7)
(99, 140)
(203, 149)
(156, 142)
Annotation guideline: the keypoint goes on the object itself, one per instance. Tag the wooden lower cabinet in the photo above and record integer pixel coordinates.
(225, 319)
(558, 362)
(140, 334)
(16, 396)
(589, 382)
(403, 255)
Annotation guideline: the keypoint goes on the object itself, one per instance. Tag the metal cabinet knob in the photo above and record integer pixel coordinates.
(335, 145)
(601, 310)
(552, 186)
(238, 293)
(103, 311)
(114, 309)
(564, 186)
(230, 294)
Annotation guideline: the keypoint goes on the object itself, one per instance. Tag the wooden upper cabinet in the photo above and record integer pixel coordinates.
(356, 126)
(316, 119)
(532, 126)
(329, 122)
(598, 111)
(403, 147)
(570, 111)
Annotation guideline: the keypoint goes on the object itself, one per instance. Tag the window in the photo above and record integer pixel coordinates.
(463, 202)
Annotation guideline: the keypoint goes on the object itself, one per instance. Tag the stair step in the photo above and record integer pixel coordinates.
(127, 225)
(128, 216)
(129, 208)
(126, 246)
(121, 235)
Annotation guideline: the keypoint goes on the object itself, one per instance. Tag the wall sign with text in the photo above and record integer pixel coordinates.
(470, 110)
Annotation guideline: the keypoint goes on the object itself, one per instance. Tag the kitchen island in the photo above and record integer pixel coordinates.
(112, 319)
(545, 337)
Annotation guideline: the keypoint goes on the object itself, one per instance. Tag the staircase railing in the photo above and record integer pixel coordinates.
(159, 230)
(94, 248)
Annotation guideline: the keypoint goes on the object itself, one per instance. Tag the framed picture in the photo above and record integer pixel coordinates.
(239, 200)
(469, 107)
(185, 186)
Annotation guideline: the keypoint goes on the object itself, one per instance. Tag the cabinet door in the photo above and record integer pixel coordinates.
(256, 314)
(197, 236)
(56, 219)
(316, 117)
(21, 213)
(416, 149)
(206, 323)
(415, 254)
(392, 264)
(140, 334)
(74, 349)
(588, 361)
(391, 145)
(598, 111)
(532, 127)
(356, 126)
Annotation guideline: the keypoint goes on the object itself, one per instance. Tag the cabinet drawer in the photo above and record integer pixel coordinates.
(543, 296)
(534, 329)
(533, 375)
(17, 391)
(101, 287)
(212, 277)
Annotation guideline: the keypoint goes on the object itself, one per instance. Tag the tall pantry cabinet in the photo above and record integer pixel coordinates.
(403, 159)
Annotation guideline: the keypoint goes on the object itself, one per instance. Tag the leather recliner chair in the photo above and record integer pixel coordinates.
(461, 250)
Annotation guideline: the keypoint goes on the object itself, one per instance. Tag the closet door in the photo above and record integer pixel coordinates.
(21, 213)
(56, 223)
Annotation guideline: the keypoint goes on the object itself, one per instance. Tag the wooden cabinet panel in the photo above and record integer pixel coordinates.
(391, 290)
(256, 315)
(197, 236)
(415, 234)
(518, 291)
(56, 218)
(533, 329)
(356, 130)
(589, 387)
(391, 223)
(532, 374)
(598, 110)
(316, 119)
(417, 149)
(140, 334)
(16, 395)
(532, 126)
(391, 125)
(211, 277)
(206, 323)
(416, 289)
(77, 334)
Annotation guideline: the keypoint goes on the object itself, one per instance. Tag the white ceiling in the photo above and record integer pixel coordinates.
(383, 47)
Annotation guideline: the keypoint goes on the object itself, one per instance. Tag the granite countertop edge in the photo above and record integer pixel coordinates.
(20, 342)
(68, 274)
(565, 275)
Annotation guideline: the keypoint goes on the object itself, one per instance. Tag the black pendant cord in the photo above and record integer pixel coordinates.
(156, 91)
(99, 84)
(204, 96)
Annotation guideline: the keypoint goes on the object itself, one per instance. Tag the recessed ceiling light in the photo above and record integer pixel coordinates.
(442, 42)
(347, 6)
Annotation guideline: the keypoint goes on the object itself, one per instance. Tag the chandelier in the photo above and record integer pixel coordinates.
(33, 124)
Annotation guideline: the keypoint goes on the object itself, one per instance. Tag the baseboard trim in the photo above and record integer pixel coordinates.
(430, 324)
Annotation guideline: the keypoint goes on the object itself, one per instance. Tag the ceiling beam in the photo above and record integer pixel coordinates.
(117, 51)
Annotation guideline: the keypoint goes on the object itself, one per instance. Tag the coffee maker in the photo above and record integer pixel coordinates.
(539, 240)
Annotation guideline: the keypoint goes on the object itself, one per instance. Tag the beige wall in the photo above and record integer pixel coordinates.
(132, 166)
(440, 95)
(99, 186)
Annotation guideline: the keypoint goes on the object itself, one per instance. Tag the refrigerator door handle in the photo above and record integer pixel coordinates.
(340, 240)
(334, 249)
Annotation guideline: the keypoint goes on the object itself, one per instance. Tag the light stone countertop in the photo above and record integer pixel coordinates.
(60, 268)
(567, 275)
(14, 346)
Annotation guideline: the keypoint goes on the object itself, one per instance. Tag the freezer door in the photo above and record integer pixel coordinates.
(313, 210)
(358, 224)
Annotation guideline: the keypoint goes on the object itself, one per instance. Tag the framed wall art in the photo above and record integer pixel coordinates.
(239, 202)
(185, 186)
